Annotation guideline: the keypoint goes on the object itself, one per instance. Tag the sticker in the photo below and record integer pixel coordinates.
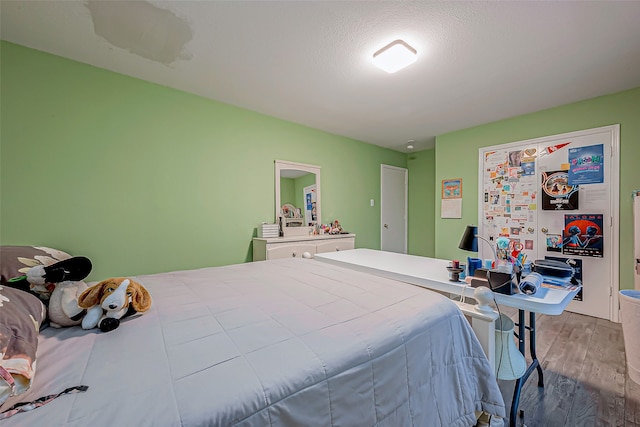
(515, 157)
(554, 148)
(554, 243)
(528, 168)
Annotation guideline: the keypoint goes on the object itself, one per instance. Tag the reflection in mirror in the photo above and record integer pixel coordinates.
(297, 196)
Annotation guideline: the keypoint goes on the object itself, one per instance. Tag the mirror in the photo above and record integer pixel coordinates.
(297, 197)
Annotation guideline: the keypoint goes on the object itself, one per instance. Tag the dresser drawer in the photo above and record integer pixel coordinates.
(289, 250)
(335, 245)
(294, 246)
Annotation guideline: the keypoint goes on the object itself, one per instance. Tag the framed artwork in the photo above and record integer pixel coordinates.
(452, 188)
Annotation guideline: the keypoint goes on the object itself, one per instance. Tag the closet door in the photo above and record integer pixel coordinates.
(557, 196)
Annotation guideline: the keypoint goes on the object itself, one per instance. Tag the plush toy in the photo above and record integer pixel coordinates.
(110, 300)
(66, 279)
(63, 304)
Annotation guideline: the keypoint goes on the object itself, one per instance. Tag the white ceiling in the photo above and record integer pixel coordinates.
(309, 62)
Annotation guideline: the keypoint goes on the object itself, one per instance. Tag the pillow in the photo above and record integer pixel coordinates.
(16, 260)
(20, 317)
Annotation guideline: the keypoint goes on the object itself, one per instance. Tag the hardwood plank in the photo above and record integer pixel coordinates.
(632, 403)
(569, 349)
(561, 366)
(585, 375)
(547, 330)
(599, 396)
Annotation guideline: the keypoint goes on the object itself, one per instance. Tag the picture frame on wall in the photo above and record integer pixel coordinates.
(452, 188)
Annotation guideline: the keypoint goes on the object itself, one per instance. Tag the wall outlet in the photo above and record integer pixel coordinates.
(372, 202)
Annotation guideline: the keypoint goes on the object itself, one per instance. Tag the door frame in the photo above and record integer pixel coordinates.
(614, 190)
(406, 202)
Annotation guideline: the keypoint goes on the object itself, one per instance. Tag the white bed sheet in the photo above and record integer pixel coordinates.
(275, 343)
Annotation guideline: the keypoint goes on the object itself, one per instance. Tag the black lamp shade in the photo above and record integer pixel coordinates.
(469, 241)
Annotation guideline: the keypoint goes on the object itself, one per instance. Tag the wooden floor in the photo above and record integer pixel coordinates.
(585, 375)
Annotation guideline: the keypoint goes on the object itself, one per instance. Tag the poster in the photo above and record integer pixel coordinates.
(586, 165)
(583, 235)
(576, 280)
(556, 193)
(452, 188)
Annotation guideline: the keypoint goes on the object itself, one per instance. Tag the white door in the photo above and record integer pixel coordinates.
(526, 195)
(393, 208)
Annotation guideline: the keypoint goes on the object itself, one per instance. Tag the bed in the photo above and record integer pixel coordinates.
(291, 342)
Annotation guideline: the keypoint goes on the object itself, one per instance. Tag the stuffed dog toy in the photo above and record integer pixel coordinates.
(110, 300)
(65, 277)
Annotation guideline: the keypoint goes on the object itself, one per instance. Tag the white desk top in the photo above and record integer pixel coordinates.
(431, 273)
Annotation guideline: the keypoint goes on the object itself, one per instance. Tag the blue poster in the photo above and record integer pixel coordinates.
(586, 165)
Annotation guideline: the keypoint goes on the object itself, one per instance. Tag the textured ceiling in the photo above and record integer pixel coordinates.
(309, 62)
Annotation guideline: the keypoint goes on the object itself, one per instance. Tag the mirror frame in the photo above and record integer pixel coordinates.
(285, 165)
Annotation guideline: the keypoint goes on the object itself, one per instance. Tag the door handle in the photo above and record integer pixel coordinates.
(386, 226)
(544, 230)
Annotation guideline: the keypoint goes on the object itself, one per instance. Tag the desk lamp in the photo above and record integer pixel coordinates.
(469, 241)
(499, 280)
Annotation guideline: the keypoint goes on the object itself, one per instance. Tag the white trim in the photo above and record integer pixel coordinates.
(615, 215)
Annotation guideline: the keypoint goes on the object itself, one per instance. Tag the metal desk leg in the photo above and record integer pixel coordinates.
(535, 364)
(532, 347)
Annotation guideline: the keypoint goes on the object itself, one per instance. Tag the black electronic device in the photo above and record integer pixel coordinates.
(549, 267)
(500, 282)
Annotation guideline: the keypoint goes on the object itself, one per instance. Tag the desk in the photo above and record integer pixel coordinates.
(431, 273)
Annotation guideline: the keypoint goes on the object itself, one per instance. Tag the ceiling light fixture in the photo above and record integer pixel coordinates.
(394, 56)
(410, 144)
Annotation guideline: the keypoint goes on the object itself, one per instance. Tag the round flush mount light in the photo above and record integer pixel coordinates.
(394, 56)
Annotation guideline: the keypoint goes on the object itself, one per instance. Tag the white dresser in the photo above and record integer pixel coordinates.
(295, 246)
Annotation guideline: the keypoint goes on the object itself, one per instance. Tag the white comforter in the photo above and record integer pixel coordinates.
(276, 343)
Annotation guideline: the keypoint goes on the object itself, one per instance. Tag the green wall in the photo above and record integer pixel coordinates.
(457, 154)
(292, 189)
(142, 178)
(287, 191)
(422, 195)
(304, 181)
